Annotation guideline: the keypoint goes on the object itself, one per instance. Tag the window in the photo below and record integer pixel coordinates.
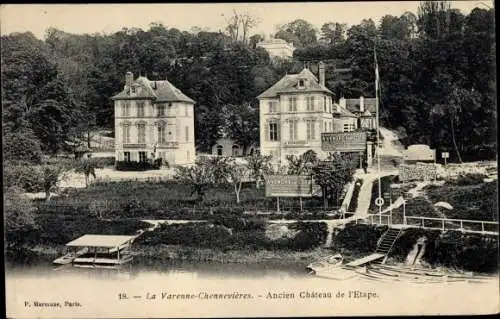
(126, 156)
(142, 157)
(235, 150)
(324, 103)
(310, 130)
(329, 106)
(346, 127)
(140, 109)
(125, 108)
(133, 89)
(161, 110)
(273, 107)
(301, 83)
(310, 103)
(187, 133)
(219, 150)
(321, 127)
(126, 134)
(331, 126)
(186, 110)
(292, 104)
(352, 127)
(293, 128)
(161, 134)
(141, 133)
(273, 131)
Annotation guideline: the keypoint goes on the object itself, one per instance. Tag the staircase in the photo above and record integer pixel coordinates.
(386, 243)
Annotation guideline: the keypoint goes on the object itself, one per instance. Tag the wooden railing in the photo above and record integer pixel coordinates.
(465, 225)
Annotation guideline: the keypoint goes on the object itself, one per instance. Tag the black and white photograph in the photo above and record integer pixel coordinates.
(192, 160)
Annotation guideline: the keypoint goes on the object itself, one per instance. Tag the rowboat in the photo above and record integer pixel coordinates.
(417, 275)
(331, 267)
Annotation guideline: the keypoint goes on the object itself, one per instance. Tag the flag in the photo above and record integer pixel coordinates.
(376, 71)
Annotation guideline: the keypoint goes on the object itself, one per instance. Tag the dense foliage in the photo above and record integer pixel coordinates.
(437, 70)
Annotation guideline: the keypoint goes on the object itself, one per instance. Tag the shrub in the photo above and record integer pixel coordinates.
(135, 166)
(467, 179)
(29, 177)
(102, 162)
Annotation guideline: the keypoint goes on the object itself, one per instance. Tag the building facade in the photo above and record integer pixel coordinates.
(277, 48)
(225, 146)
(364, 109)
(293, 114)
(153, 119)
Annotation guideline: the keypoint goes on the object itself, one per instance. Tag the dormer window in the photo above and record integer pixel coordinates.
(133, 89)
(302, 83)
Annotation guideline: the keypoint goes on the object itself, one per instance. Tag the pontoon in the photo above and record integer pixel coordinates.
(99, 251)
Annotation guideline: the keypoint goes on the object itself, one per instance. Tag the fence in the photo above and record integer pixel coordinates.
(465, 225)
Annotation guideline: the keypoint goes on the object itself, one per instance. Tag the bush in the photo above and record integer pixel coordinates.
(60, 229)
(467, 179)
(27, 177)
(136, 166)
(102, 162)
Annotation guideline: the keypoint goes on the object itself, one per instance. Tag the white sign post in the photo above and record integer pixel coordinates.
(445, 155)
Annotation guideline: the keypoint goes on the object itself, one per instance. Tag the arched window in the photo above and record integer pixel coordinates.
(235, 150)
(219, 150)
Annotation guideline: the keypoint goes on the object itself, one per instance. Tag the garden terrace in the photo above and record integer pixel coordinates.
(169, 199)
(474, 202)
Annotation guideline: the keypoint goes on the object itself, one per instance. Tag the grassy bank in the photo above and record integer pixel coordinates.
(168, 199)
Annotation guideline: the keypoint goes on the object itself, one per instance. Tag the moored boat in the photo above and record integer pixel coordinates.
(331, 267)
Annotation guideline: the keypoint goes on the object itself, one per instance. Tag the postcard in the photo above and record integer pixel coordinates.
(250, 159)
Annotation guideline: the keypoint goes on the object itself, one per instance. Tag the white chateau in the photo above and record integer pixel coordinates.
(293, 114)
(277, 48)
(153, 119)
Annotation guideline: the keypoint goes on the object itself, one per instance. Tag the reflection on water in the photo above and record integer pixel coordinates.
(98, 291)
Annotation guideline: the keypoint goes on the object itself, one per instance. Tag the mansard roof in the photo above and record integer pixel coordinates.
(290, 84)
(159, 91)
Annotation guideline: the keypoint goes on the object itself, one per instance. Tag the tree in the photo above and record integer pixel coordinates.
(240, 24)
(254, 39)
(236, 173)
(299, 32)
(203, 175)
(242, 124)
(259, 166)
(50, 175)
(87, 167)
(22, 145)
(19, 217)
(334, 33)
(333, 174)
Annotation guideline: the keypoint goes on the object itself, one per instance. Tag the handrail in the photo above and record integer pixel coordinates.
(439, 219)
(453, 220)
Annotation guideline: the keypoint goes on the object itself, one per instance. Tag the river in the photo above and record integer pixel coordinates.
(182, 289)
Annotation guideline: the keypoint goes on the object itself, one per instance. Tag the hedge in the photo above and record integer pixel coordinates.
(137, 166)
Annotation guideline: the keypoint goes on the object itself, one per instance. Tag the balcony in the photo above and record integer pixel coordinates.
(169, 145)
(297, 143)
(137, 145)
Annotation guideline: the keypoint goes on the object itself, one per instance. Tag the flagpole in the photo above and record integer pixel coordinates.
(378, 133)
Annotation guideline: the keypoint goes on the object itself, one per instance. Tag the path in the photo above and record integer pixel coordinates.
(365, 192)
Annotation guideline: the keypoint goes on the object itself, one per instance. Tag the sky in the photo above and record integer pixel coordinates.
(109, 18)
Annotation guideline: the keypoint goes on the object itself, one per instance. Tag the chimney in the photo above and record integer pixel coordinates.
(321, 68)
(361, 104)
(129, 78)
(342, 103)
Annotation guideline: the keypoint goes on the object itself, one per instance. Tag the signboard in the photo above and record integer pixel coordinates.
(344, 142)
(289, 186)
(396, 191)
(419, 152)
(445, 155)
(418, 172)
